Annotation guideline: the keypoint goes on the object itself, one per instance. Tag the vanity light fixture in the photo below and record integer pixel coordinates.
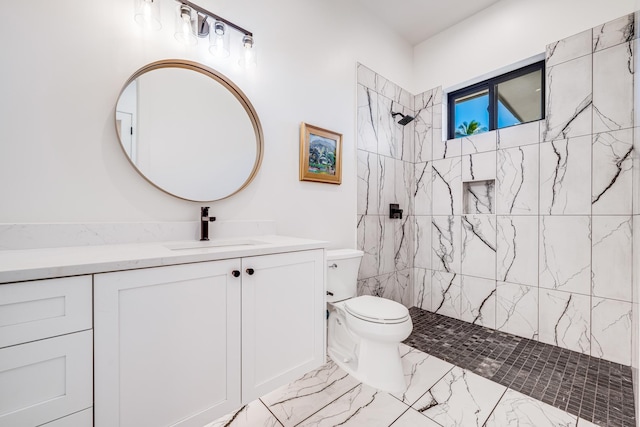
(193, 22)
(147, 14)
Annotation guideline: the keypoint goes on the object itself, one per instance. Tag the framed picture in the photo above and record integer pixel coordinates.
(320, 155)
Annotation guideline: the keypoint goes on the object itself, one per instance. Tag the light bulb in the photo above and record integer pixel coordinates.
(185, 27)
(219, 40)
(249, 55)
(147, 14)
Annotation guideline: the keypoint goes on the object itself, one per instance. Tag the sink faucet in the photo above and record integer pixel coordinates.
(204, 222)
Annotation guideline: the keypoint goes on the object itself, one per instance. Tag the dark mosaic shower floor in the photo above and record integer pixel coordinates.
(594, 389)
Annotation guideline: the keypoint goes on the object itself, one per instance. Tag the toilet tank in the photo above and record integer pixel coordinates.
(342, 273)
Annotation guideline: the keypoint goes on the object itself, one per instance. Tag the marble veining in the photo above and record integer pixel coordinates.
(446, 243)
(445, 294)
(611, 330)
(565, 320)
(569, 48)
(621, 30)
(613, 71)
(517, 309)
(422, 242)
(254, 414)
(565, 172)
(423, 134)
(422, 288)
(611, 275)
(367, 183)
(612, 172)
(517, 409)
(478, 197)
(479, 246)
(478, 299)
(565, 258)
(517, 181)
(422, 195)
(446, 191)
(367, 117)
(517, 249)
(369, 234)
(569, 100)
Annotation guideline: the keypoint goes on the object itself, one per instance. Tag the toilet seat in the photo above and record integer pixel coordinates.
(376, 310)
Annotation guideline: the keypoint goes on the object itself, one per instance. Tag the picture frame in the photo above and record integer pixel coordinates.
(320, 155)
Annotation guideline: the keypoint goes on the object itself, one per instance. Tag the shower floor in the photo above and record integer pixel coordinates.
(594, 389)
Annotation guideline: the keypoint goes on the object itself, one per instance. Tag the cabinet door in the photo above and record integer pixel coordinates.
(45, 380)
(283, 314)
(167, 345)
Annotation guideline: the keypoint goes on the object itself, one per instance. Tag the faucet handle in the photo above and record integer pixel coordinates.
(204, 211)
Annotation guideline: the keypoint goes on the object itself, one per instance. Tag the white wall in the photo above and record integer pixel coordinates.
(64, 66)
(508, 32)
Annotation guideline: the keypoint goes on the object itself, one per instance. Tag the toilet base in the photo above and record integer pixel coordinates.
(378, 365)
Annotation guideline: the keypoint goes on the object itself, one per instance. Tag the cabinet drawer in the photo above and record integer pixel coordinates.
(40, 309)
(46, 380)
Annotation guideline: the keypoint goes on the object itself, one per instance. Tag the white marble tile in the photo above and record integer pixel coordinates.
(367, 119)
(388, 129)
(421, 372)
(479, 197)
(479, 246)
(404, 184)
(299, 399)
(621, 30)
(254, 414)
(367, 183)
(424, 100)
(517, 309)
(438, 113)
(423, 134)
(396, 286)
(636, 261)
(386, 88)
(476, 167)
(413, 418)
(397, 244)
(445, 149)
(612, 261)
(612, 178)
(565, 320)
(517, 409)
(636, 165)
(478, 301)
(518, 135)
(361, 406)
(565, 177)
(386, 184)
(447, 186)
(565, 253)
(584, 423)
(611, 330)
(446, 243)
(569, 48)
(422, 242)
(422, 288)
(479, 143)
(422, 195)
(613, 70)
(369, 232)
(517, 249)
(517, 181)
(405, 98)
(366, 77)
(461, 398)
(569, 102)
(445, 294)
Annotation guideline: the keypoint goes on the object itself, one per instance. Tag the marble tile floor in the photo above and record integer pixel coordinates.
(438, 394)
(593, 389)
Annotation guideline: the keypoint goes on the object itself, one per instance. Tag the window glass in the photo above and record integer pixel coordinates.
(505, 100)
(472, 114)
(519, 99)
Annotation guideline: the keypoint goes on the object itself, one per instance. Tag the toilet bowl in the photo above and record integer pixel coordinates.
(364, 332)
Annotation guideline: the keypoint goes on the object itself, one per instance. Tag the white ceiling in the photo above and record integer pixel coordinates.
(417, 20)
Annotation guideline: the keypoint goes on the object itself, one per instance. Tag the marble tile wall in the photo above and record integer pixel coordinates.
(554, 261)
(387, 174)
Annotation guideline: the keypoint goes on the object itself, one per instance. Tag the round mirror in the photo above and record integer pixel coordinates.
(189, 130)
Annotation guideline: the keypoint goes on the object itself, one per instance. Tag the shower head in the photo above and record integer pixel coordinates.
(405, 119)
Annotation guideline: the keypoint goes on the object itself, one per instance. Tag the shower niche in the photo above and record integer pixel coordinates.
(479, 197)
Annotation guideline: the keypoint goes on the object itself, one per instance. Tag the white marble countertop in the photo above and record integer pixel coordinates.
(33, 264)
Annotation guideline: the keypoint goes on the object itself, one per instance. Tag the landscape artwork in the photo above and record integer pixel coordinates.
(320, 155)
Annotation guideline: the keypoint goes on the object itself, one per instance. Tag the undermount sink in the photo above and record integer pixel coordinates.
(213, 244)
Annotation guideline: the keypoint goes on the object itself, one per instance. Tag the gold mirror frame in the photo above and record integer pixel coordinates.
(226, 83)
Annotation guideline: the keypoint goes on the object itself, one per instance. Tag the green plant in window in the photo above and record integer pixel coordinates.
(471, 128)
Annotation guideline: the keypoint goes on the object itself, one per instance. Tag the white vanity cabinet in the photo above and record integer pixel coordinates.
(183, 345)
(46, 352)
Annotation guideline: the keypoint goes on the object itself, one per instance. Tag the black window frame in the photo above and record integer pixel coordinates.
(490, 85)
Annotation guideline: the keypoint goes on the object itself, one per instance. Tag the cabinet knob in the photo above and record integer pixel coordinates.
(235, 273)
(250, 271)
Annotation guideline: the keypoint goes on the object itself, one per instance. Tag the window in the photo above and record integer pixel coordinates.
(510, 99)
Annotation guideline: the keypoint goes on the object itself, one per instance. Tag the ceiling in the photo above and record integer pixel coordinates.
(417, 20)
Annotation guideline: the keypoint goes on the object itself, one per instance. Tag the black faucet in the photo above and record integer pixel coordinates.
(204, 222)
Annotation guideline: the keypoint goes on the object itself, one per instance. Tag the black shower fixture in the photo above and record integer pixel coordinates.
(404, 119)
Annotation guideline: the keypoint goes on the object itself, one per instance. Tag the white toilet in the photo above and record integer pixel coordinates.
(364, 332)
